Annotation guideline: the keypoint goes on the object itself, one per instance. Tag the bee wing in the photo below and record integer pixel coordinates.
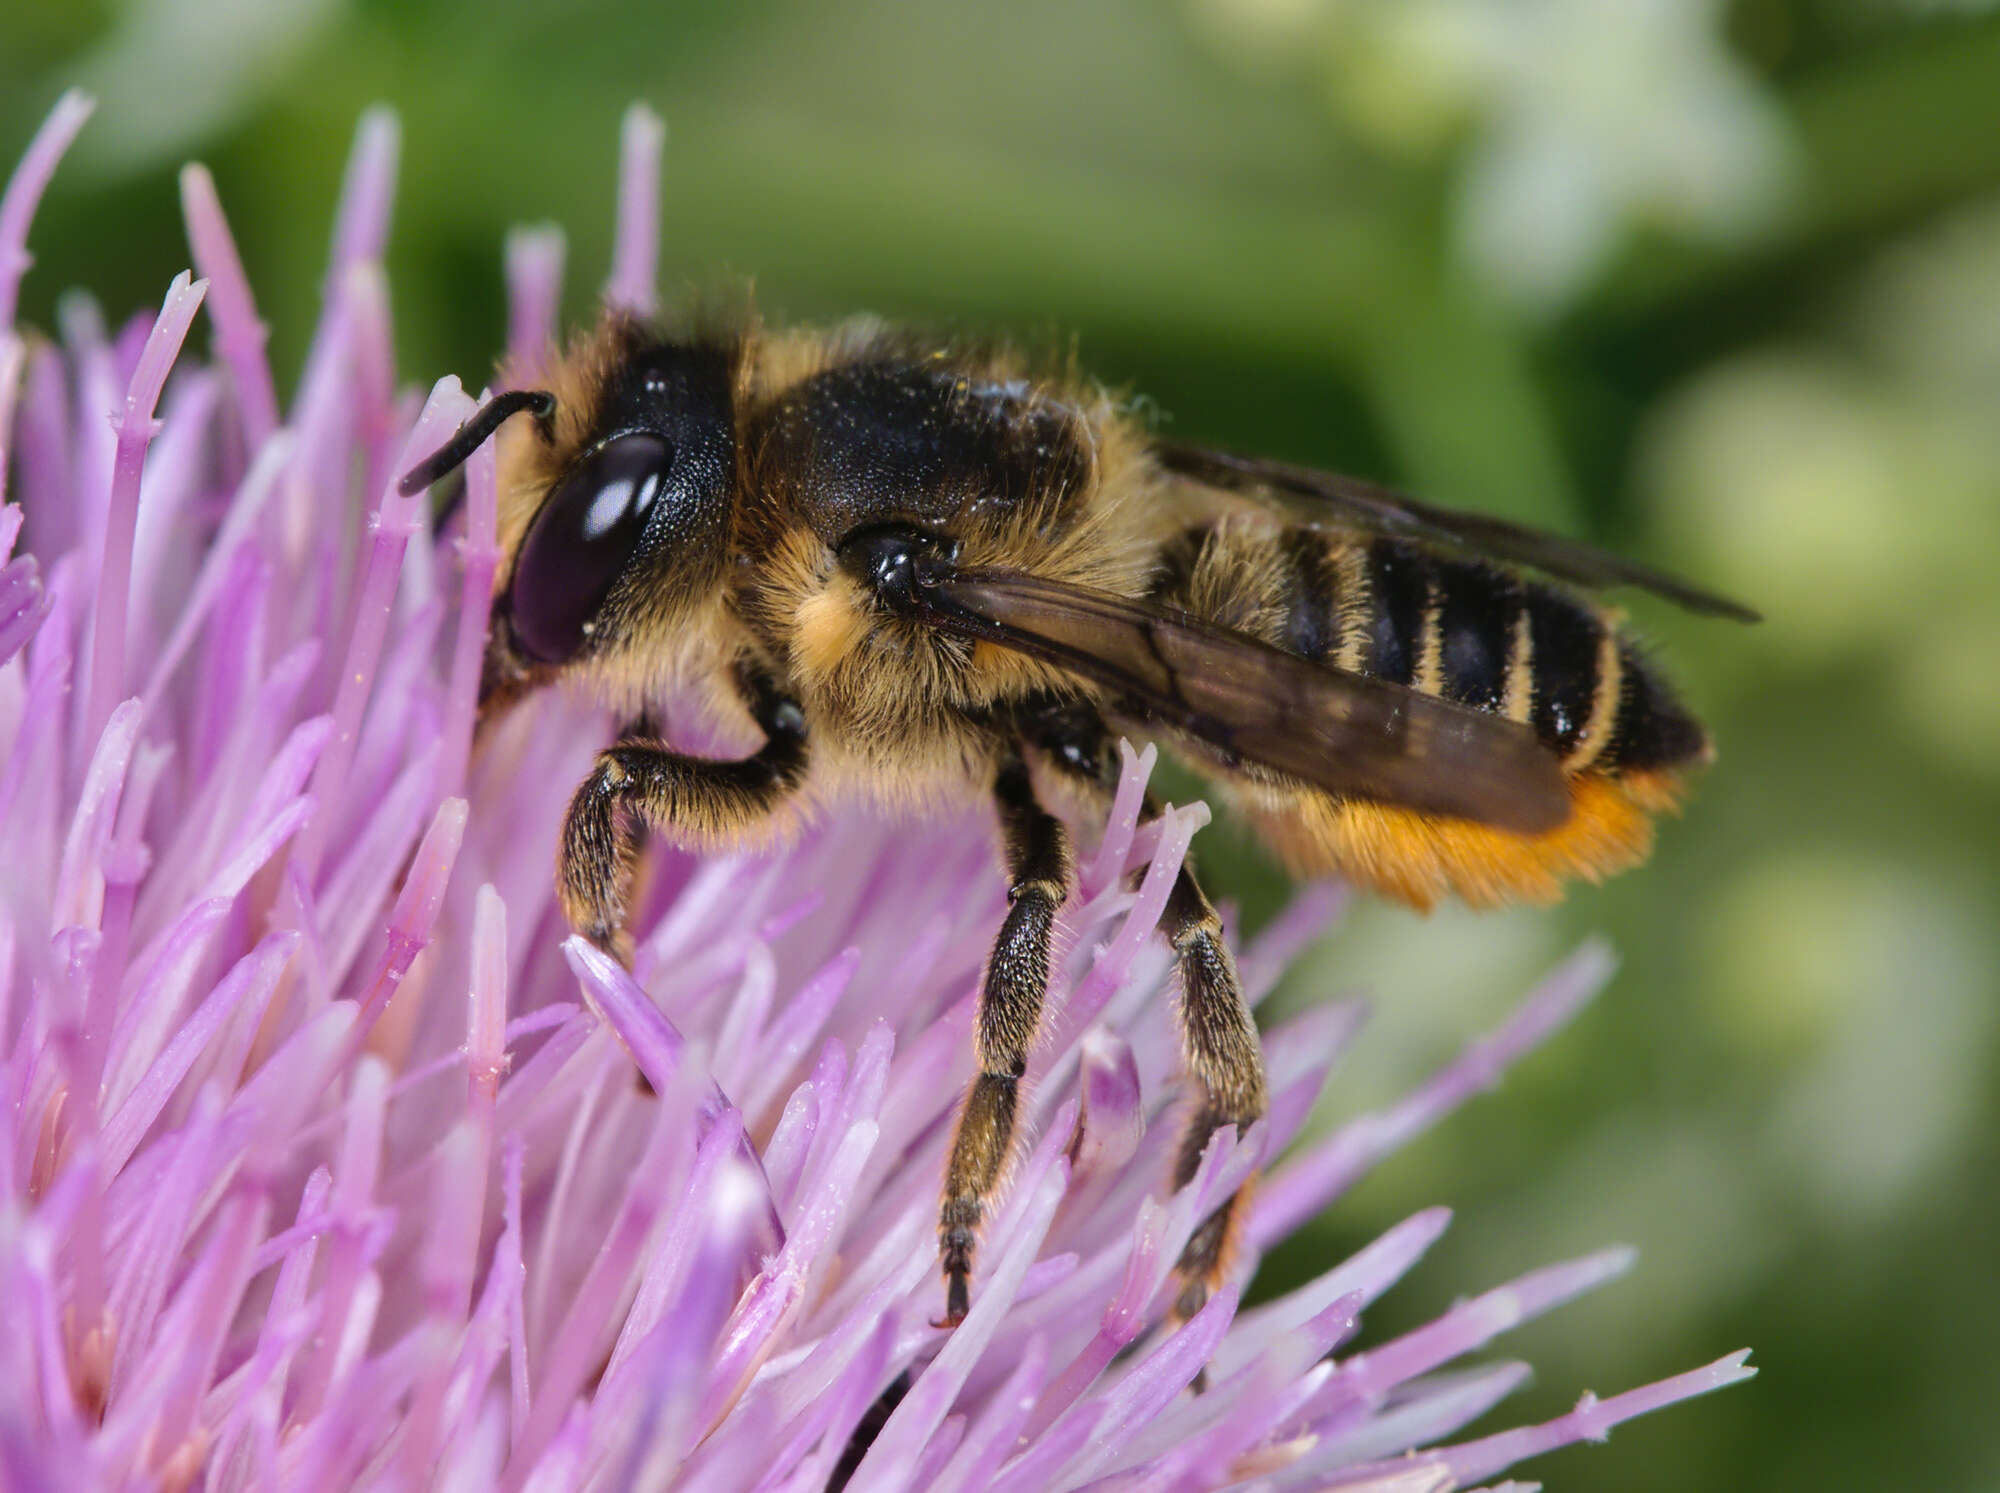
(1383, 510)
(1340, 731)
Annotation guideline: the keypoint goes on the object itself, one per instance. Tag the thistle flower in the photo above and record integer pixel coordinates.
(324, 1164)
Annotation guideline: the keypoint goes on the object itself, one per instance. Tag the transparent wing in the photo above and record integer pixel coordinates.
(1367, 505)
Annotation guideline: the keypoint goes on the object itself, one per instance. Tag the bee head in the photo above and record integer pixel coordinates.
(634, 522)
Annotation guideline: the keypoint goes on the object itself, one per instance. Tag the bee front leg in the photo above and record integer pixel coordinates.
(1010, 1010)
(639, 783)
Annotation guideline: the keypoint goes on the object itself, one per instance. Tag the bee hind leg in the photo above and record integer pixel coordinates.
(1010, 1009)
(1220, 1047)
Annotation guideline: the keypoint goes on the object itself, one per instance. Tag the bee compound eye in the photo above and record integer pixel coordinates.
(581, 541)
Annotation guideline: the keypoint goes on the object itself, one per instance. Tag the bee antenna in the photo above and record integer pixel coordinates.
(475, 432)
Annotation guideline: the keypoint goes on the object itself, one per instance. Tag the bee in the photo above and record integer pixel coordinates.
(921, 571)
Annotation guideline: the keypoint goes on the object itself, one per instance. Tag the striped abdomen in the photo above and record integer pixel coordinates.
(1476, 634)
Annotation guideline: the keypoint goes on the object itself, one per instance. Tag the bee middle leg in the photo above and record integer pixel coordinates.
(1010, 1010)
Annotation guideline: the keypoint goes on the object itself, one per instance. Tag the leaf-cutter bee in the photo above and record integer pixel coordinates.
(918, 570)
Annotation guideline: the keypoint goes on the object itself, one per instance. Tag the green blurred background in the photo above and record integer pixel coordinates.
(1717, 284)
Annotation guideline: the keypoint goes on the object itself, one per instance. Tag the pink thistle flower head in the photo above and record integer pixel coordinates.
(323, 1164)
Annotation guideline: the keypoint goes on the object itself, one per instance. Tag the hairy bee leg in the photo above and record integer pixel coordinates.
(1220, 1047)
(1219, 1040)
(1010, 1009)
(638, 784)
(665, 791)
(641, 730)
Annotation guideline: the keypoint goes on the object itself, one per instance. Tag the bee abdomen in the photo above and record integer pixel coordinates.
(1476, 634)
(1482, 635)
(1492, 640)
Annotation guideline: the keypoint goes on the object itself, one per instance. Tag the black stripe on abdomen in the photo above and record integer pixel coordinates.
(1476, 609)
(1312, 596)
(1566, 637)
(1398, 593)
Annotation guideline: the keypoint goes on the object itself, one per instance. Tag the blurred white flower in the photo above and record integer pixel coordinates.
(1792, 453)
(1580, 118)
(1816, 959)
(1929, 308)
(1869, 460)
